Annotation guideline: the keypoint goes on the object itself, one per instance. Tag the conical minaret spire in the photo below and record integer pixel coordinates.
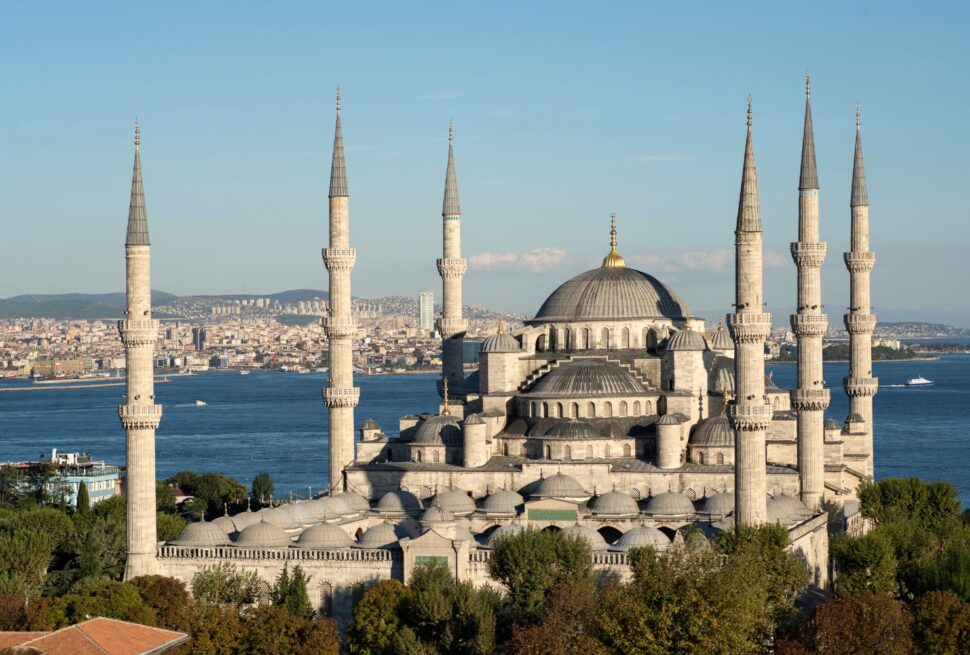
(139, 415)
(810, 398)
(860, 385)
(452, 266)
(340, 396)
(749, 325)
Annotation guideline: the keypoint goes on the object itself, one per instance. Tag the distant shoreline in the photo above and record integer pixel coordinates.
(875, 361)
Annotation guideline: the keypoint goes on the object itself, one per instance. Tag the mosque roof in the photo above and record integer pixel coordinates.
(589, 535)
(670, 504)
(436, 516)
(715, 431)
(720, 339)
(353, 501)
(642, 536)
(501, 343)
(686, 340)
(243, 520)
(503, 531)
(225, 524)
(718, 504)
(398, 503)
(324, 535)
(786, 509)
(328, 507)
(263, 535)
(502, 501)
(585, 378)
(382, 535)
(441, 430)
(201, 533)
(559, 486)
(614, 503)
(572, 428)
(455, 501)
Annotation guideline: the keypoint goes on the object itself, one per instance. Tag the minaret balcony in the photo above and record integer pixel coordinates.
(750, 418)
(860, 323)
(452, 267)
(339, 327)
(859, 262)
(808, 254)
(809, 325)
(450, 327)
(341, 397)
(810, 400)
(860, 387)
(339, 259)
(138, 332)
(749, 327)
(140, 417)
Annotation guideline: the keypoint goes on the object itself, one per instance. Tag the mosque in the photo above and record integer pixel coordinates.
(614, 414)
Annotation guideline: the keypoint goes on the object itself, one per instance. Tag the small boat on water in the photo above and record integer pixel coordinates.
(244, 372)
(200, 403)
(919, 381)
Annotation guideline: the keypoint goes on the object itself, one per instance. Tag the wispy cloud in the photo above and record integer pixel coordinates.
(536, 260)
(711, 261)
(453, 94)
(660, 158)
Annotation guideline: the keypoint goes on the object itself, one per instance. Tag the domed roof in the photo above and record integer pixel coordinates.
(263, 535)
(715, 431)
(301, 513)
(614, 503)
(504, 531)
(441, 430)
(640, 537)
(670, 504)
(382, 535)
(786, 509)
(560, 486)
(277, 516)
(501, 343)
(455, 501)
(502, 501)
(328, 507)
(669, 419)
(720, 504)
(832, 424)
(586, 378)
(722, 376)
(611, 293)
(201, 533)
(398, 503)
(324, 535)
(720, 339)
(463, 534)
(243, 520)
(353, 501)
(686, 339)
(571, 428)
(589, 535)
(225, 524)
(436, 516)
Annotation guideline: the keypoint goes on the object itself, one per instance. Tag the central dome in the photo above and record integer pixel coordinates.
(612, 293)
(586, 378)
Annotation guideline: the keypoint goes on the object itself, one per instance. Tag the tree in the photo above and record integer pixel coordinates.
(864, 624)
(290, 593)
(866, 563)
(165, 498)
(947, 571)
(449, 617)
(168, 599)
(565, 629)
(83, 503)
(531, 563)
(271, 630)
(212, 491)
(933, 506)
(25, 556)
(224, 584)
(263, 488)
(941, 623)
(168, 526)
(217, 630)
(100, 597)
(377, 628)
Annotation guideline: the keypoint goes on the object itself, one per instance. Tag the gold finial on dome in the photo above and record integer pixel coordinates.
(501, 328)
(613, 260)
(445, 411)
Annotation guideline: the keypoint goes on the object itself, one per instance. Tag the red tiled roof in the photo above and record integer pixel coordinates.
(97, 636)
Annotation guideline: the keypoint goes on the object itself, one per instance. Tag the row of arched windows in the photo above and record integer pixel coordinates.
(568, 452)
(604, 339)
(590, 409)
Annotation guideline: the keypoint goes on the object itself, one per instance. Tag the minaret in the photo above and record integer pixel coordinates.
(860, 385)
(452, 267)
(750, 411)
(139, 415)
(811, 397)
(341, 396)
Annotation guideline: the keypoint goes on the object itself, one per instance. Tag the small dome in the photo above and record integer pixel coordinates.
(722, 375)
(855, 418)
(243, 520)
(686, 339)
(670, 504)
(354, 502)
(589, 535)
(786, 510)
(614, 503)
(832, 424)
(502, 501)
(720, 504)
(457, 502)
(436, 516)
(572, 428)
(501, 343)
(398, 503)
(442, 430)
(669, 419)
(324, 535)
(640, 537)
(713, 432)
(326, 508)
(474, 419)
(301, 513)
(263, 535)
(587, 378)
(371, 424)
(560, 486)
(276, 515)
(201, 533)
(503, 531)
(463, 534)
(382, 535)
(225, 524)
(720, 339)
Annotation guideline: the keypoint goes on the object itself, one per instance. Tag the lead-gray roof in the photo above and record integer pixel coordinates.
(201, 533)
(501, 343)
(715, 431)
(559, 486)
(808, 179)
(137, 214)
(263, 535)
(572, 428)
(593, 538)
(614, 503)
(451, 206)
(860, 194)
(442, 430)
(669, 504)
(611, 293)
(686, 340)
(338, 167)
(640, 537)
(749, 206)
(324, 535)
(587, 378)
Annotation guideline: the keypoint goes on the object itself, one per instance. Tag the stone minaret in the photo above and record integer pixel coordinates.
(811, 397)
(749, 411)
(452, 267)
(340, 395)
(860, 385)
(139, 415)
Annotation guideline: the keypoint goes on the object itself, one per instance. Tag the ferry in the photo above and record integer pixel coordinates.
(919, 381)
(200, 403)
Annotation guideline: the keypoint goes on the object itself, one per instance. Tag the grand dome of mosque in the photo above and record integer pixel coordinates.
(587, 378)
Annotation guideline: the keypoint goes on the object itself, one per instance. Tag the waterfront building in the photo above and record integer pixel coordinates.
(426, 312)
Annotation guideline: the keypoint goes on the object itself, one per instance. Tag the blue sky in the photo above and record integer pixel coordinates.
(563, 113)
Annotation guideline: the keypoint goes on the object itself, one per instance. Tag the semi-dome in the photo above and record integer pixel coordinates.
(720, 339)
(641, 537)
(560, 486)
(686, 340)
(398, 503)
(263, 535)
(457, 502)
(201, 533)
(614, 504)
(501, 343)
(720, 504)
(715, 431)
(589, 535)
(587, 378)
(573, 429)
(504, 531)
(382, 535)
(441, 430)
(722, 376)
(324, 535)
(611, 293)
(670, 504)
(502, 501)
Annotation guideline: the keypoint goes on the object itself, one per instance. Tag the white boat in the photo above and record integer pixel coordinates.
(244, 372)
(918, 381)
(200, 403)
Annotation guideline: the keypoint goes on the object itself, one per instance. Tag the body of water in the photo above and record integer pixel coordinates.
(277, 422)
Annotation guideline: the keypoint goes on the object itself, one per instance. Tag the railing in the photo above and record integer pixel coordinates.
(283, 553)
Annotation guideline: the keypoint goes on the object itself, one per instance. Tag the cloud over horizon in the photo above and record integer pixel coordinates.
(714, 261)
(536, 260)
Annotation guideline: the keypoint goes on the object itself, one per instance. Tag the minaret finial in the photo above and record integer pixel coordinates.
(613, 259)
(451, 131)
(445, 411)
(858, 116)
(338, 99)
(749, 111)
(808, 85)
(137, 132)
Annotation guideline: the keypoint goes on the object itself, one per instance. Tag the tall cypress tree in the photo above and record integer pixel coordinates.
(83, 501)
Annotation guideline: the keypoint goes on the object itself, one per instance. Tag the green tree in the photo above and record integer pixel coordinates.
(216, 630)
(565, 628)
(933, 506)
(532, 562)
(866, 563)
(449, 617)
(168, 526)
(272, 630)
(941, 624)
(224, 584)
(263, 488)
(100, 597)
(948, 570)
(25, 556)
(290, 593)
(212, 491)
(864, 624)
(168, 599)
(165, 498)
(377, 628)
(83, 503)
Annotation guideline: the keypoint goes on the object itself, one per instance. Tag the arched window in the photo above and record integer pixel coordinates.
(548, 452)
(568, 453)
(650, 338)
(608, 409)
(605, 338)
(625, 338)
(589, 452)
(648, 408)
(636, 408)
(575, 410)
(568, 338)
(626, 450)
(720, 458)
(623, 408)
(544, 410)
(541, 343)
(326, 599)
(559, 410)
(590, 410)
(505, 449)
(607, 451)
(436, 456)
(583, 339)
(389, 455)
(700, 457)
(419, 455)
(535, 409)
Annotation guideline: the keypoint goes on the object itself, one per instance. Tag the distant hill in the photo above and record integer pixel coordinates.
(292, 296)
(65, 306)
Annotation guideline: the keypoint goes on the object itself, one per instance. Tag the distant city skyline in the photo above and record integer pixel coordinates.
(563, 113)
